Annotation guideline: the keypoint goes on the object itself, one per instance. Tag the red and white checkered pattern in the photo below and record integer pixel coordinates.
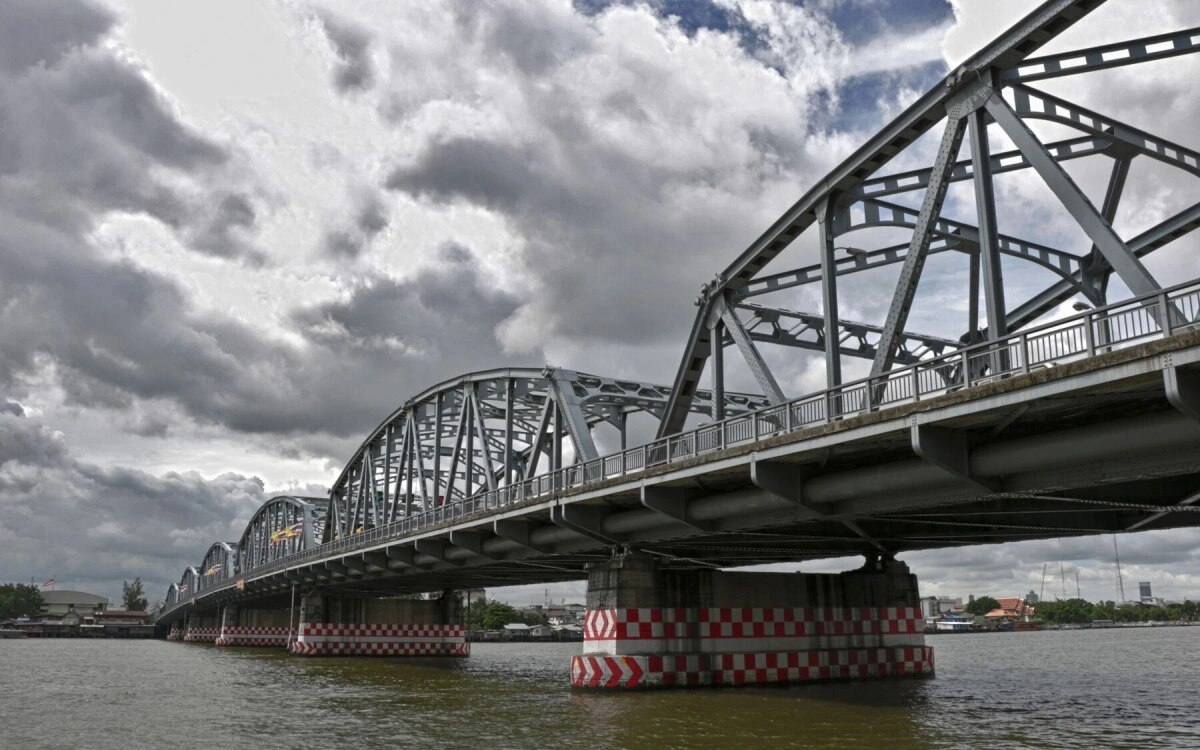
(696, 670)
(357, 639)
(201, 635)
(748, 622)
(175, 635)
(267, 637)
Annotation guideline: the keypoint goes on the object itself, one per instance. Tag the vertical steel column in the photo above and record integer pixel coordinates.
(556, 439)
(985, 209)
(717, 335)
(469, 449)
(509, 396)
(388, 445)
(437, 450)
(829, 294)
(973, 298)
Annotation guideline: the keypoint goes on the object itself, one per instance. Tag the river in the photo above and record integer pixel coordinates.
(1120, 688)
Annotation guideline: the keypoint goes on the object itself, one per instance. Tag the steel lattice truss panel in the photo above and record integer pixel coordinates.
(992, 88)
(283, 526)
(487, 430)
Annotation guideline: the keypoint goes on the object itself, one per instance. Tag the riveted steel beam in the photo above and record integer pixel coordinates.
(1116, 252)
(758, 367)
(1158, 47)
(914, 262)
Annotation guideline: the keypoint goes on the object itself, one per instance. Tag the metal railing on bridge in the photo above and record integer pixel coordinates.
(1070, 339)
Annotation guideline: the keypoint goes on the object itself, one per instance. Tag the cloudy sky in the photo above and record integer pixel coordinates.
(235, 235)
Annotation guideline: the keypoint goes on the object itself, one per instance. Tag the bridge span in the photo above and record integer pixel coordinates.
(1086, 424)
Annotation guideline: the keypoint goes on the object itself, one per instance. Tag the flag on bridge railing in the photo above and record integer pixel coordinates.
(213, 570)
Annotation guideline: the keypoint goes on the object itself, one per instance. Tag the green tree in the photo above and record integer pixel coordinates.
(982, 605)
(492, 616)
(17, 599)
(133, 596)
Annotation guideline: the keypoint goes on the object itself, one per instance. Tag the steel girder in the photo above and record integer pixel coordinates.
(969, 98)
(486, 430)
(807, 331)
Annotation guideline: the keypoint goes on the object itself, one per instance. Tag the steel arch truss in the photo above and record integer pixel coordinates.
(220, 562)
(189, 584)
(281, 526)
(487, 430)
(991, 88)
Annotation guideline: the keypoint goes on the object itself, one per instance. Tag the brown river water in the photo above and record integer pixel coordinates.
(1120, 688)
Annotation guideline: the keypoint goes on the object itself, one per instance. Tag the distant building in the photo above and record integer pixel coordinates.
(1013, 609)
(56, 604)
(932, 606)
(121, 617)
(1144, 590)
(515, 631)
(1031, 597)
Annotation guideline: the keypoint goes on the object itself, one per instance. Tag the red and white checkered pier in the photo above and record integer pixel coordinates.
(357, 639)
(857, 625)
(338, 626)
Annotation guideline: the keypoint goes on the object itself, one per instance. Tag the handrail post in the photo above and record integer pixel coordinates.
(1025, 354)
(916, 382)
(1089, 336)
(754, 425)
(1164, 306)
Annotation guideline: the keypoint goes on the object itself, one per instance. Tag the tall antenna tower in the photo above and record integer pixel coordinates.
(1077, 594)
(1120, 581)
(1042, 593)
(1062, 577)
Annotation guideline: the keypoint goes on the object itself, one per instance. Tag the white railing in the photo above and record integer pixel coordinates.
(1068, 340)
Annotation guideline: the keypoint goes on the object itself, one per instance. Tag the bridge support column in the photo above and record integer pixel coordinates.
(175, 633)
(650, 627)
(346, 626)
(264, 628)
(202, 627)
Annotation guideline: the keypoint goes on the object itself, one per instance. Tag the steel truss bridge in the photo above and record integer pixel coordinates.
(1017, 429)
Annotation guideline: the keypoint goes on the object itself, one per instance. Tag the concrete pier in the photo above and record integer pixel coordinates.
(202, 628)
(649, 627)
(339, 625)
(248, 626)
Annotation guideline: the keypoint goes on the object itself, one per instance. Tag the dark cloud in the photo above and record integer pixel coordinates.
(36, 32)
(11, 407)
(224, 235)
(352, 44)
(121, 522)
(420, 330)
(348, 242)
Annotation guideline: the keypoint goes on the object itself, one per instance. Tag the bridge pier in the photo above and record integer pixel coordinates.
(249, 626)
(202, 627)
(651, 627)
(339, 625)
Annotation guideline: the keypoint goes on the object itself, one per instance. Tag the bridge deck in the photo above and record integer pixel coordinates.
(1091, 446)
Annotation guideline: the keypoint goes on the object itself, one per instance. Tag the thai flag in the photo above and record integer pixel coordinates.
(47, 582)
